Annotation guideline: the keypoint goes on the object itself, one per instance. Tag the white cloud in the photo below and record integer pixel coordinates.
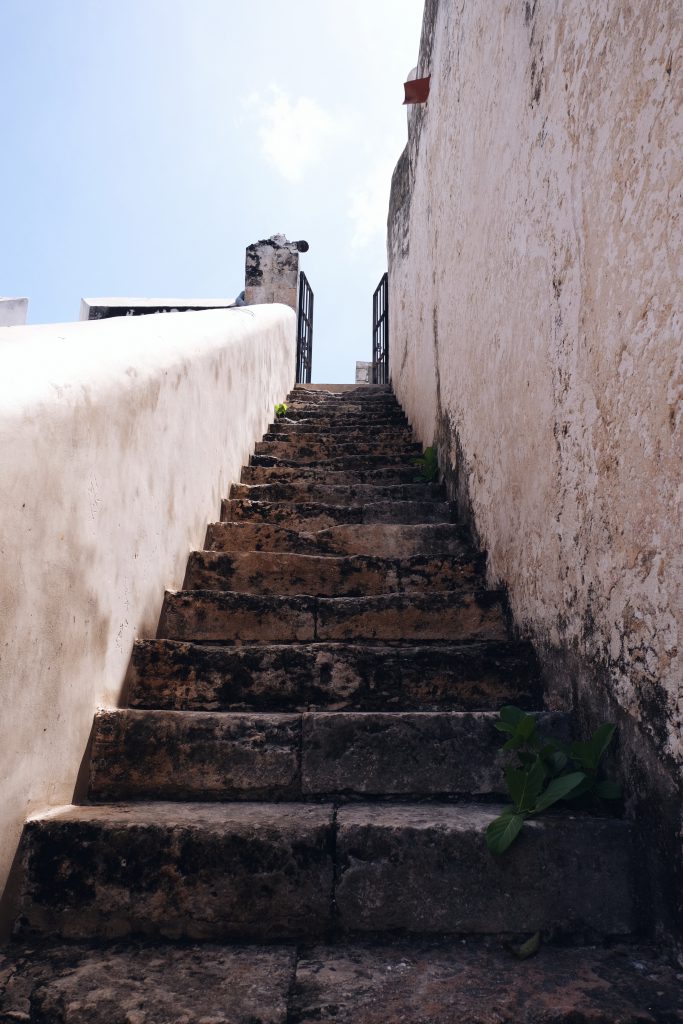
(295, 133)
(369, 205)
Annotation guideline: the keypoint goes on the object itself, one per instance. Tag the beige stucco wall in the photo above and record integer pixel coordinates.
(118, 439)
(535, 258)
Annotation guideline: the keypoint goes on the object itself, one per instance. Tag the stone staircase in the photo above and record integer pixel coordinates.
(307, 764)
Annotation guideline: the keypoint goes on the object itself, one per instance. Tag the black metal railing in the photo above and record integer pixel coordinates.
(304, 332)
(380, 332)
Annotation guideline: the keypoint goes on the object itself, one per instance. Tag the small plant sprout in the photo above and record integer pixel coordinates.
(280, 410)
(547, 772)
(429, 464)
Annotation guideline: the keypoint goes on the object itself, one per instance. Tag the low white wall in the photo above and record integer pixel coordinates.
(118, 439)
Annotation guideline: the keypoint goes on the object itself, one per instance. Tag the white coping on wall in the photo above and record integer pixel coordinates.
(118, 439)
(13, 311)
(120, 302)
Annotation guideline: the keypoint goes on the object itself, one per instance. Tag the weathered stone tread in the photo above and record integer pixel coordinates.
(144, 984)
(331, 494)
(174, 755)
(225, 616)
(259, 572)
(381, 540)
(419, 982)
(201, 871)
(425, 868)
(315, 515)
(336, 676)
(475, 982)
(387, 474)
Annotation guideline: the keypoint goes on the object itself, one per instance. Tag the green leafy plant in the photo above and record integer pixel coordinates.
(280, 410)
(547, 772)
(429, 464)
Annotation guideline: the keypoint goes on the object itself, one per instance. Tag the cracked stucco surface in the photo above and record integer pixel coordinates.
(535, 258)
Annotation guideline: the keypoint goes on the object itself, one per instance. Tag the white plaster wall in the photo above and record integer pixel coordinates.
(13, 312)
(118, 439)
(536, 256)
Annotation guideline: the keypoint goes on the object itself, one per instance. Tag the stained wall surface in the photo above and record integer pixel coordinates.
(118, 439)
(535, 257)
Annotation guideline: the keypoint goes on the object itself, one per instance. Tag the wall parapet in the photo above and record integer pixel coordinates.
(118, 439)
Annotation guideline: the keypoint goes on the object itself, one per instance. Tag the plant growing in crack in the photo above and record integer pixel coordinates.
(280, 410)
(429, 464)
(547, 772)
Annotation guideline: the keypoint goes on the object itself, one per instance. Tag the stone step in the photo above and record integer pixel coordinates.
(266, 572)
(419, 981)
(378, 411)
(325, 493)
(288, 871)
(314, 515)
(345, 437)
(384, 540)
(367, 399)
(425, 868)
(380, 403)
(196, 755)
(476, 981)
(319, 449)
(382, 475)
(347, 463)
(266, 677)
(145, 983)
(373, 419)
(223, 616)
(180, 871)
(393, 426)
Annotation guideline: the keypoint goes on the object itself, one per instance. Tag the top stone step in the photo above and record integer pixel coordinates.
(363, 394)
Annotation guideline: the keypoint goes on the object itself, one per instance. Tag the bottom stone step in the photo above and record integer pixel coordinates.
(418, 982)
(191, 871)
(269, 872)
(426, 869)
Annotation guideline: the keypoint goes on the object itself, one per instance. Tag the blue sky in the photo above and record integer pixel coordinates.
(145, 143)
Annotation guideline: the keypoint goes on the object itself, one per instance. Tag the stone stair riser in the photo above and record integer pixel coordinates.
(171, 755)
(346, 434)
(393, 426)
(352, 462)
(266, 872)
(426, 869)
(317, 516)
(382, 540)
(327, 494)
(325, 576)
(182, 676)
(313, 453)
(203, 615)
(391, 476)
(230, 871)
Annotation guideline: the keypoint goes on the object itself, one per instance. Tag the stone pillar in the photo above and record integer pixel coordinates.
(272, 271)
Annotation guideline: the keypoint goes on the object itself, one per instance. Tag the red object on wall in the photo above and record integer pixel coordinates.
(417, 91)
